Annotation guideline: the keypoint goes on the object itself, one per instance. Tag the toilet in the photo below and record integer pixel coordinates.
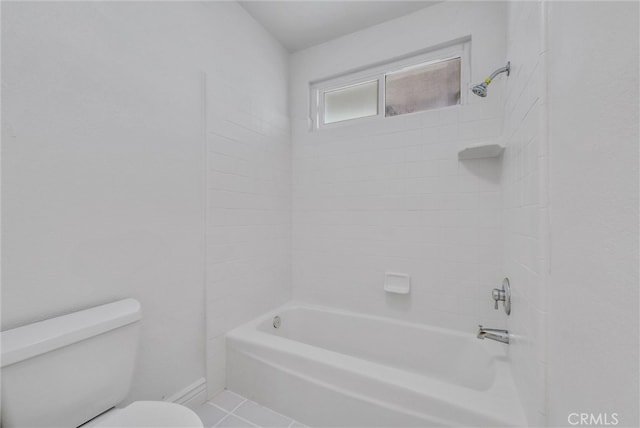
(76, 369)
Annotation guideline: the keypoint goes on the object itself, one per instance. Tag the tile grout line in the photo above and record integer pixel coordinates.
(225, 410)
(238, 406)
(215, 405)
(226, 413)
(245, 420)
(244, 400)
(230, 413)
(271, 410)
(221, 419)
(277, 413)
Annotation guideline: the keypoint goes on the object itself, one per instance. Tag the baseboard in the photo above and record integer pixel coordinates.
(191, 396)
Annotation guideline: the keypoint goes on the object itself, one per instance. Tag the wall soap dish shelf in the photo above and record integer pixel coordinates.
(481, 151)
(397, 283)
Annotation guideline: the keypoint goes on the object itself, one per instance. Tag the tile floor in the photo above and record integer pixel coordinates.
(229, 409)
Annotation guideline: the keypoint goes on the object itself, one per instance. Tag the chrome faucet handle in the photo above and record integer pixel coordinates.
(503, 295)
(497, 295)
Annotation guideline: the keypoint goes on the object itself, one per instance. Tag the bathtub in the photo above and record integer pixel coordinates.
(332, 368)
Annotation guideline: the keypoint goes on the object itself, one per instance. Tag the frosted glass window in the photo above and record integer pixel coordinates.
(423, 88)
(351, 102)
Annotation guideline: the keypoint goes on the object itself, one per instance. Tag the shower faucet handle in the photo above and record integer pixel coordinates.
(502, 295)
(497, 295)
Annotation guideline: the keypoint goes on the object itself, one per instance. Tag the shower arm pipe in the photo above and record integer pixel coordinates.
(506, 68)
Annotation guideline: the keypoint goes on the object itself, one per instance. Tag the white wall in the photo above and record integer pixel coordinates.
(393, 196)
(248, 196)
(104, 163)
(570, 200)
(593, 284)
(524, 200)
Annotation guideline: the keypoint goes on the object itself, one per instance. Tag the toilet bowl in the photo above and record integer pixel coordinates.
(74, 370)
(158, 414)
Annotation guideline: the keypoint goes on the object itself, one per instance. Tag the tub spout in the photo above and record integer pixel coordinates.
(493, 334)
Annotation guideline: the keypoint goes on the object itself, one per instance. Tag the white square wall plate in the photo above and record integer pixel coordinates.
(398, 283)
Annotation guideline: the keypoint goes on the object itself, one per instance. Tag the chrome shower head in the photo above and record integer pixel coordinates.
(481, 89)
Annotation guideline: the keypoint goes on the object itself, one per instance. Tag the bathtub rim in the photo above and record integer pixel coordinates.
(498, 351)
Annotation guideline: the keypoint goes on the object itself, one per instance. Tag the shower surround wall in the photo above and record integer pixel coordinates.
(525, 206)
(248, 195)
(391, 195)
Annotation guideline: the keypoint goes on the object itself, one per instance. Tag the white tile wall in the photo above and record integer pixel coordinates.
(392, 195)
(248, 200)
(525, 254)
(398, 201)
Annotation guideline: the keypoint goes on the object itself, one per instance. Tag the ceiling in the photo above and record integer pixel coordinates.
(300, 24)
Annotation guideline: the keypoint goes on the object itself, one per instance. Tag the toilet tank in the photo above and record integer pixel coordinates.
(63, 371)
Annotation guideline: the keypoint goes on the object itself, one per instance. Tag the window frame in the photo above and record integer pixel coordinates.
(459, 49)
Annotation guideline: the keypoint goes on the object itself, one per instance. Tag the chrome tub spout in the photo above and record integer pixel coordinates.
(493, 334)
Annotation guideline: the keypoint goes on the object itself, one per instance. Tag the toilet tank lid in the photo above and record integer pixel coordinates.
(30, 340)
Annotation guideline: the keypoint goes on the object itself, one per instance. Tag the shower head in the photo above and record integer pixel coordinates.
(481, 89)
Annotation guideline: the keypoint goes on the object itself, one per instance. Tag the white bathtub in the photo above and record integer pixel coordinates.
(326, 367)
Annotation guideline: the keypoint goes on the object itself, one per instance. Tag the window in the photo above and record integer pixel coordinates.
(421, 82)
(423, 87)
(351, 102)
